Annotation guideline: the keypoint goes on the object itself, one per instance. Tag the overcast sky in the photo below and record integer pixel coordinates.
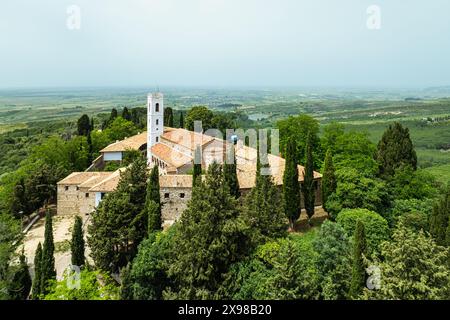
(224, 43)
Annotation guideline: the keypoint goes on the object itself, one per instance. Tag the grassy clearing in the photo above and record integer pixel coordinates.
(442, 173)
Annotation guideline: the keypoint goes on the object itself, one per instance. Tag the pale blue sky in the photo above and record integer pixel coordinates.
(224, 43)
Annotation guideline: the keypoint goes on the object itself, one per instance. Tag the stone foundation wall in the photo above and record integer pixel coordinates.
(73, 201)
(173, 203)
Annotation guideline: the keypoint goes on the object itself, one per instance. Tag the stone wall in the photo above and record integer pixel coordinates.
(72, 200)
(174, 203)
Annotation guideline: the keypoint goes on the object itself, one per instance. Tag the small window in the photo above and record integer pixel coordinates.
(66, 188)
(166, 196)
(78, 188)
(87, 195)
(102, 195)
(181, 195)
(157, 107)
(157, 139)
(157, 121)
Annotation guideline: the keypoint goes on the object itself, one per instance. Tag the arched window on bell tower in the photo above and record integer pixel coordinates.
(157, 107)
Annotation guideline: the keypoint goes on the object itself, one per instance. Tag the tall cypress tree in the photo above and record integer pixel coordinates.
(83, 125)
(291, 186)
(90, 148)
(92, 127)
(153, 202)
(309, 194)
(230, 173)
(395, 150)
(168, 117)
(329, 183)
(21, 282)
(77, 244)
(439, 220)
(197, 173)
(358, 270)
(48, 271)
(37, 272)
(126, 114)
(181, 119)
(263, 210)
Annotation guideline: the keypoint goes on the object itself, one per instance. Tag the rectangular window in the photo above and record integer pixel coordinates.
(87, 195)
(78, 188)
(157, 121)
(166, 196)
(66, 188)
(181, 195)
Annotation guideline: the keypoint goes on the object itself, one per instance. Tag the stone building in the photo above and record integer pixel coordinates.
(173, 151)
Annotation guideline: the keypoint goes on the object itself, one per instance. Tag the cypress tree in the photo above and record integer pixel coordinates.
(358, 270)
(263, 210)
(197, 173)
(126, 283)
(77, 244)
(309, 194)
(37, 272)
(90, 148)
(21, 282)
(83, 125)
(439, 220)
(92, 127)
(153, 202)
(395, 150)
(48, 271)
(126, 114)
(168, 117)
(291, 186)
(181, 119)
(230, 173)
(329, 183)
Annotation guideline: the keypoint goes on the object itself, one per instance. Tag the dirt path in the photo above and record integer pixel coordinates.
(62, 233)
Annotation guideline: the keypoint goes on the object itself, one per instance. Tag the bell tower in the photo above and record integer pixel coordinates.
(155, 120)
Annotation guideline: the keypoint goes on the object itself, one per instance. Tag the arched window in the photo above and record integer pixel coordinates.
(157, 121)
(157, 107)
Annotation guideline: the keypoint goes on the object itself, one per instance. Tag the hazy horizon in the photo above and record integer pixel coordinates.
(245, 44)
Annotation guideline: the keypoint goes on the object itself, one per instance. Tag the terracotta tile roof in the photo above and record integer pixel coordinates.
(170, 156)
(175, 181)
(109, 184)
(246, 166)
(89, 183)
(133, 143)
(78, 178)
(186, 138)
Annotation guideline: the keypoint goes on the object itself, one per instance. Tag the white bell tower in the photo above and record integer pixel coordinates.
(155, 120)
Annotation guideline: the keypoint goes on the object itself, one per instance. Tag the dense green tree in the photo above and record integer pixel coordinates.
(197, 171)
(77, 243)
(308, 186)
(20, 286)
(83, 125)
(407, 183)
(48, 271)
(211, 236)
(329, 183)
(230, 173)
(330, 136)
(291, 185)
(114, 114)
(126, 114)
(10, 238)
(20, 205)
(395, 150)
(118, 226)
(358, 267)
(94, 285)
(354, 190)
(375, 226)
(90, 149)
(199, 113)
(333, 261)
(126, 283)
(412, 267)
(120, 129)
(36, 290)
(222, 122)
(439, 220)
(153, 202)
(150, 267)
(168, 117)
(181, 119)
(413, 213)
(298, 128)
